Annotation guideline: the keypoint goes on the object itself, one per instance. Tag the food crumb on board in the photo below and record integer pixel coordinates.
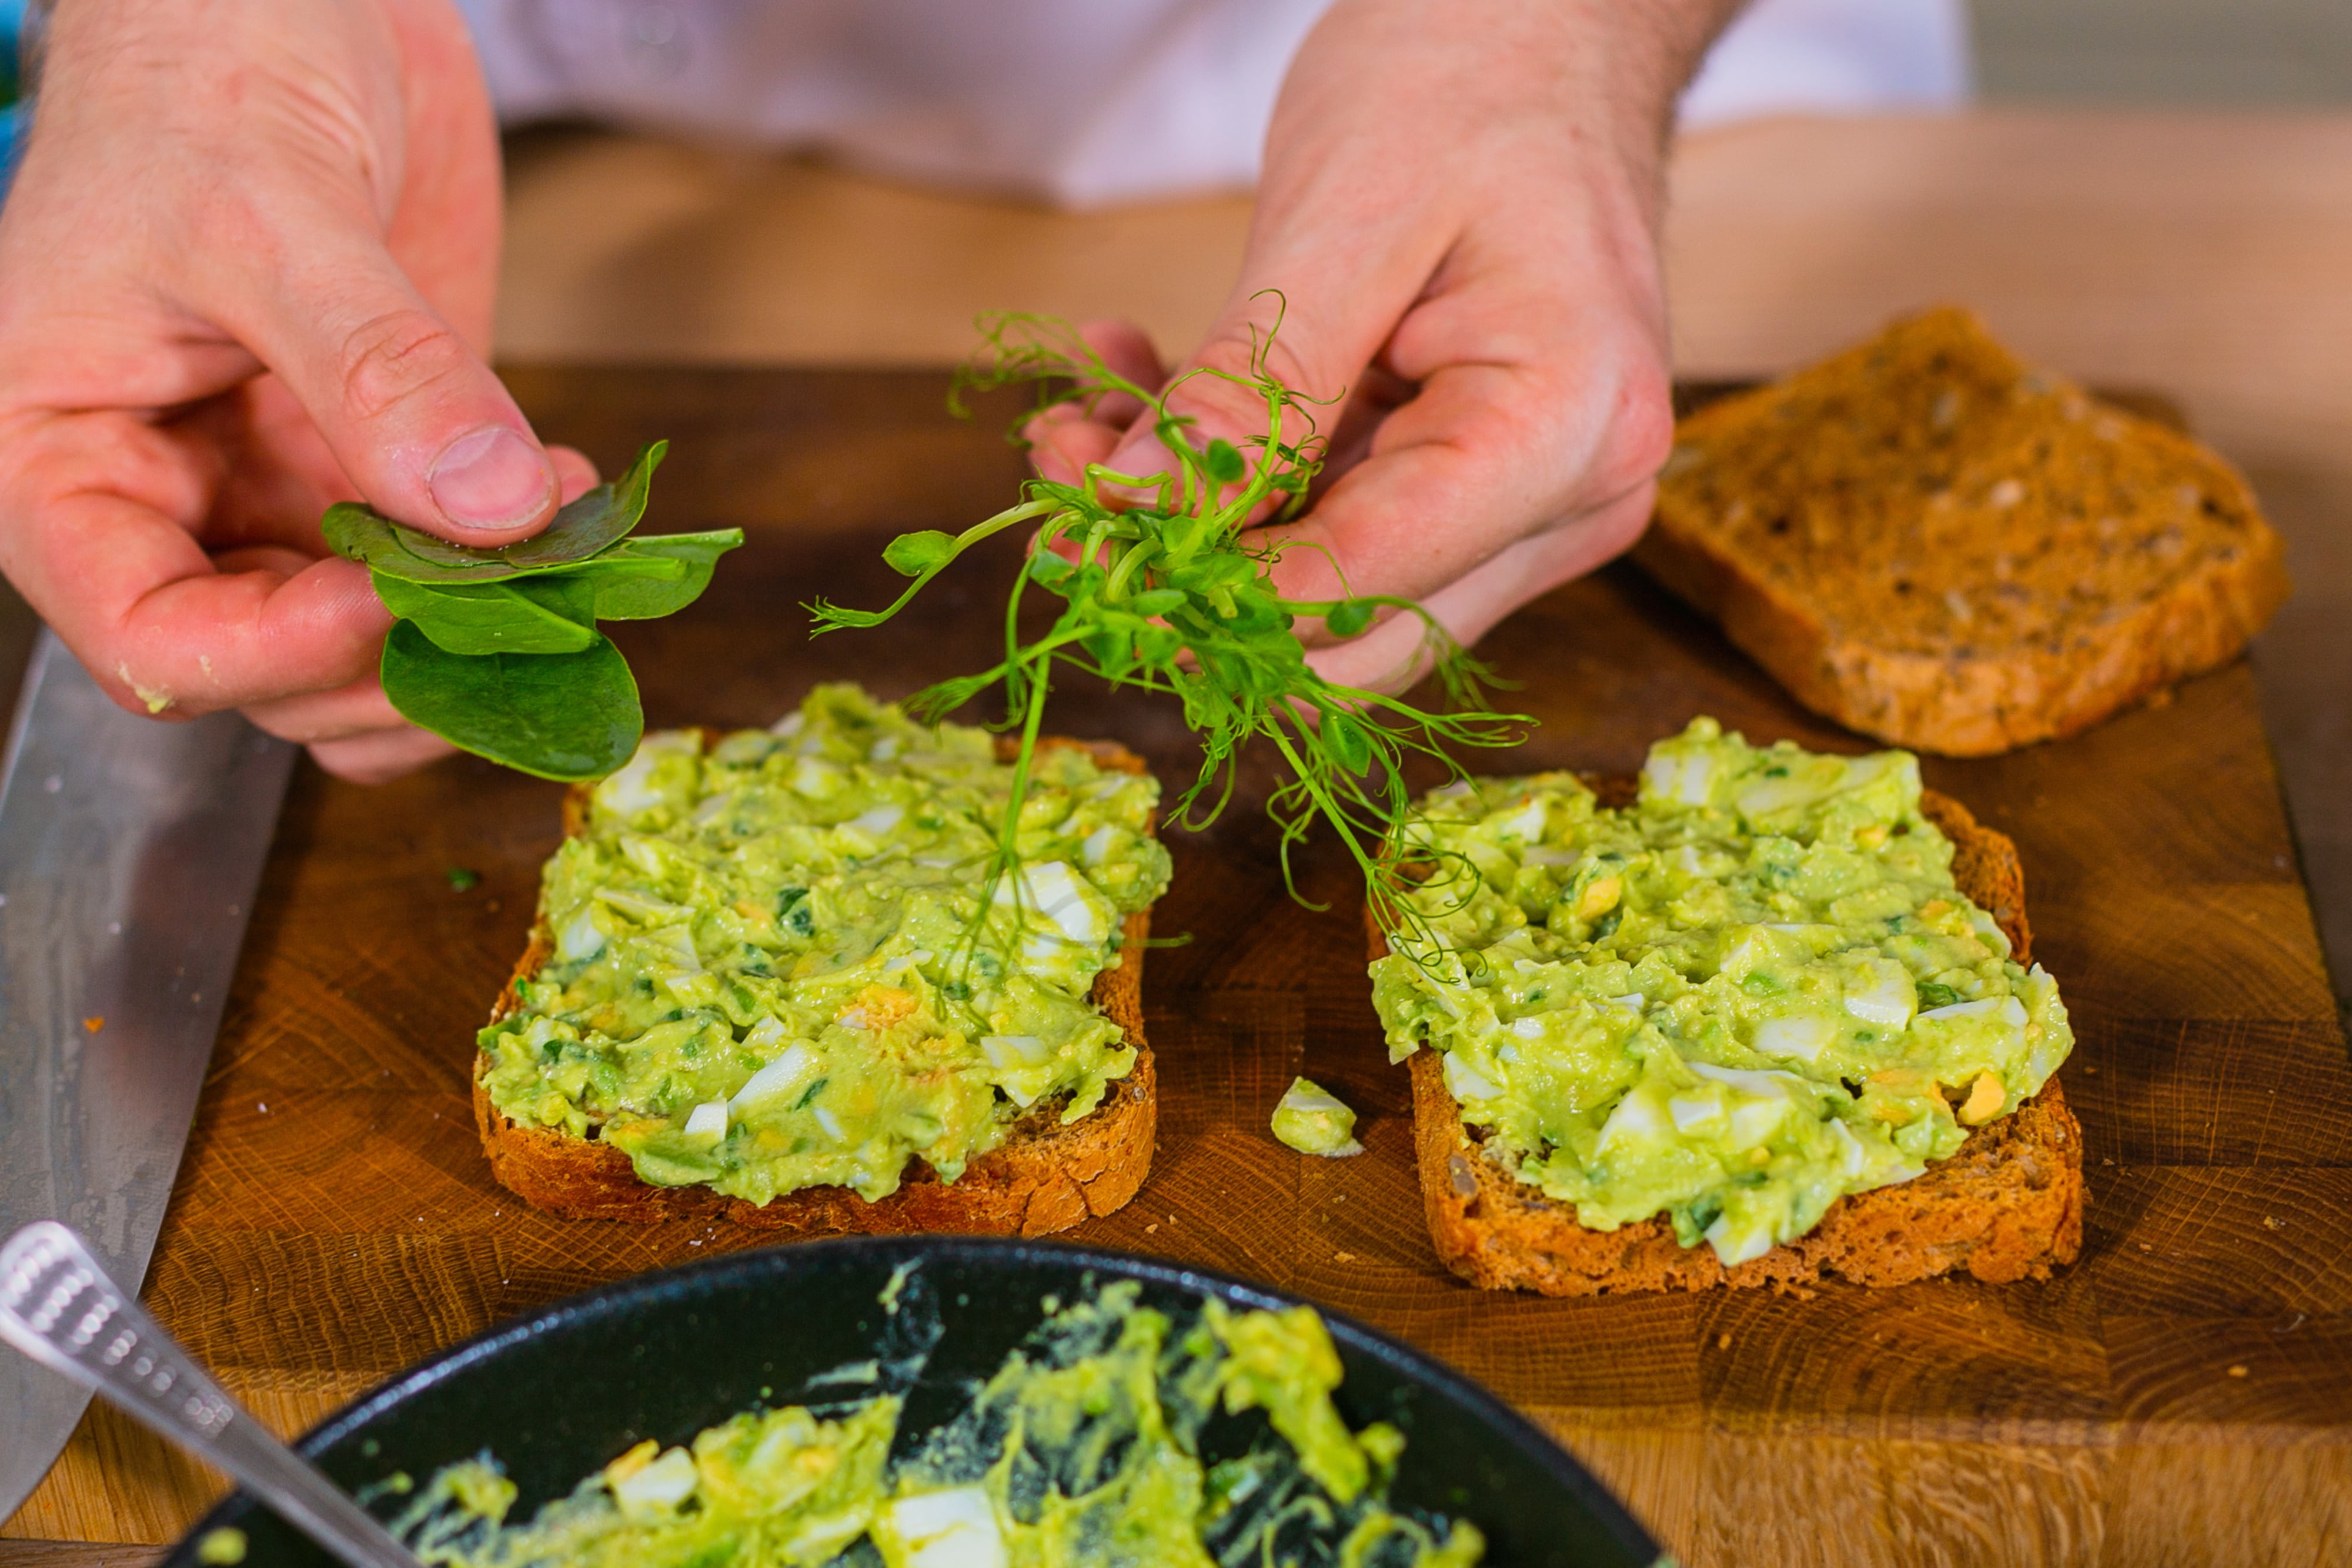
(1723, 1341)
(221, 1547)
(2146, 1247)
(1152, 1229)
(1343, 1257)
(2272, 1222)
(2238, 1371)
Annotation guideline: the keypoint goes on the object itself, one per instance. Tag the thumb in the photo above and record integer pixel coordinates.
(419, 423)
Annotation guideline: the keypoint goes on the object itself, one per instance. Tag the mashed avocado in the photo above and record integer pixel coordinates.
(1751, 992)
(1314, 1120)
(764, 977)
(1082, 1449)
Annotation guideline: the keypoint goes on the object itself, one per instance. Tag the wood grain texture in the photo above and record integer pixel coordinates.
(19, 1553)
(335, 1218)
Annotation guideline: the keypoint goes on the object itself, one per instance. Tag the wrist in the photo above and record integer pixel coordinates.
(1621, 69)
(1576, 90)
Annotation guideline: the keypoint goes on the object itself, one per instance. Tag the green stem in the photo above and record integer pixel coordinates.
(1115, 589)
(1329, 809)
(1008, 852)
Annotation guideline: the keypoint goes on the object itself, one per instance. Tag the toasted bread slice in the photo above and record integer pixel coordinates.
(2007, 1206)
(1932, 543)
(1043, 1178)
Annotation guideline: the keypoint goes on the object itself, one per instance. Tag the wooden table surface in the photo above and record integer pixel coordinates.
(2181, 1395)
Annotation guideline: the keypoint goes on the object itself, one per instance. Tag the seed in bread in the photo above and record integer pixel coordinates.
(1933, 543)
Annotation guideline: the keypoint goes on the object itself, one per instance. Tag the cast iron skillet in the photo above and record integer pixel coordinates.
(556, 1394)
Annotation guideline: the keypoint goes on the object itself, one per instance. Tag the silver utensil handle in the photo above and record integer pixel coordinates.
(58, 1306)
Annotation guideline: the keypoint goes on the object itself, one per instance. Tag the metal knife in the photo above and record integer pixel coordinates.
(130, 852)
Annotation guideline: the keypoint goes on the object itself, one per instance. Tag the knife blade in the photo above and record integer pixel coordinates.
(130, 852)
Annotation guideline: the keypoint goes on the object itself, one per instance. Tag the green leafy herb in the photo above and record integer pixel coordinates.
(498, 651)
(488, 617)
(1932, 994)
(463, 879)
(645, 579)
(1174, 594)
(583, 529)
(559, 715)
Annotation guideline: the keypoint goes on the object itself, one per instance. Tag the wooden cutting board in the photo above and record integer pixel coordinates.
(2182, 1394)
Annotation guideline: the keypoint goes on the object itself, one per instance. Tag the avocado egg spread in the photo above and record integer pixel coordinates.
(1085, 1448)
(1754, 990)
(778, 961)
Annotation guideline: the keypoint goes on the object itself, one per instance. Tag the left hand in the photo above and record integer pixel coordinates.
(1459, 207)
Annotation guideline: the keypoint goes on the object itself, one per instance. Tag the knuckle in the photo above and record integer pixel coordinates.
(1641, 429)
(397, 357)
(1618, 526)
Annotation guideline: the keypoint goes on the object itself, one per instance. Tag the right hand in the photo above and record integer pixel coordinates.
(246, 271)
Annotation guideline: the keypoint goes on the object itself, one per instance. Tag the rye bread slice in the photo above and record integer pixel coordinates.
(1043, 1178)
(2007, 1207)
(1935, 544)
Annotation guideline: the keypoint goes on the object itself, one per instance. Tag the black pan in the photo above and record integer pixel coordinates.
(556, 1394)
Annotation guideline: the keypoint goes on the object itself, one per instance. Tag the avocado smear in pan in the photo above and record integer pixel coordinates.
(1753, 991)
(1083, 1448)
(763, 977)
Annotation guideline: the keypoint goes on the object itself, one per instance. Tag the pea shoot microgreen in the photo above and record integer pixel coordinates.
(497, 649)
(1174, 594)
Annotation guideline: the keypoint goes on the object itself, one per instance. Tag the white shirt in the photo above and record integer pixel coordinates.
(1084, 102)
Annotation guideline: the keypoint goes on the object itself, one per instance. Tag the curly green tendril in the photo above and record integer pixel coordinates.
(1167, 585)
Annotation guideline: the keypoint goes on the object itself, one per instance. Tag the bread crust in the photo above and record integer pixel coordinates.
(2007, 1207)
(1954, 703)
(1957, 699)
(1043, 1178)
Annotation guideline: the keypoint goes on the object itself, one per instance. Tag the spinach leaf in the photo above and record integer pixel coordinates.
(559, 715)
(498, 651)
(646, 578)
(569, 595)
(489, 617)
(583, 530)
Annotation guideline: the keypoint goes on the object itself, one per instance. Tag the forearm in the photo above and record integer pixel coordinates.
(1634, 60)
(1599, 79)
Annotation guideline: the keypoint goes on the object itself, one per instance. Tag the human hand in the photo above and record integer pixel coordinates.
(246, 271)
(1459, 209)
